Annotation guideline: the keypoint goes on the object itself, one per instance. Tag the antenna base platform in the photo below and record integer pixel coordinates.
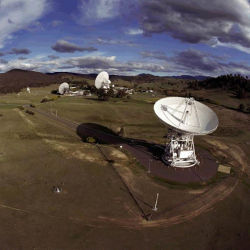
(180, 152)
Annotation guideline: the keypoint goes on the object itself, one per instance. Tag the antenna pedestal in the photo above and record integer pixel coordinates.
(180, 152)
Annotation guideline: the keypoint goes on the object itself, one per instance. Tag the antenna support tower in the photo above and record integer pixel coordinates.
(180, 151)
(156, 202)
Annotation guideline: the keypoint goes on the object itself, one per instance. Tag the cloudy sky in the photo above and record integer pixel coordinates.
(162, 37)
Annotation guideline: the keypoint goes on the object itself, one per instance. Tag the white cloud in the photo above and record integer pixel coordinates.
(190, 62)
(92, 11)
(134, 32)
(17, 64)
(56, 23)
(195, 21)
(104, 41)
(95, 11)
(216, 43)
(16, 15)
(83, 64)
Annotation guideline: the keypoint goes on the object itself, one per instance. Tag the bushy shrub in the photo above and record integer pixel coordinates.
(45, 99)
(121, 93)
(49, 99)
(241, 93)
(242, 107)
(90, 140)
(194, 85)
(102, 95)
(29, 112)
(248, 109)
(20, 107)
(54, 92)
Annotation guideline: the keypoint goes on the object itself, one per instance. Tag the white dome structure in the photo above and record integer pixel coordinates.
(102, 81)
(63, 88)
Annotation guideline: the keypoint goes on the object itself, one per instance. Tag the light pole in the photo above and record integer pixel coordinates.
(149, 166)
(156, 201)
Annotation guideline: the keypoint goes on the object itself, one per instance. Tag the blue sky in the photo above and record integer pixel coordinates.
(129, 37)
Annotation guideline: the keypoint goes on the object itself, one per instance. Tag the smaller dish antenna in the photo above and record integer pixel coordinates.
(185, 117)
(102, 81)
(63, 88)
(28, 90)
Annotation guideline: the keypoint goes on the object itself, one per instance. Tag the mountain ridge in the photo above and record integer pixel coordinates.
(16, 79)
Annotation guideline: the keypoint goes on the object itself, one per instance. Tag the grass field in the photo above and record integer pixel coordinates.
(94, 210)
(222, 97)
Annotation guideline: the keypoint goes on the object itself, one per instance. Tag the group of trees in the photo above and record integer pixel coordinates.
(104, 94)
(237, 83)
(49, 99)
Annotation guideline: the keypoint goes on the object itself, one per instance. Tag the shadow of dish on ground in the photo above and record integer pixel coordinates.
(150, 153)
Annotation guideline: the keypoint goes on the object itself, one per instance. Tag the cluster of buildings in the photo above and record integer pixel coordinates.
(65, 89)
(126, 90)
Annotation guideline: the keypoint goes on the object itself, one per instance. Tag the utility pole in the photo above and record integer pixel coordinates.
(149, 166)
(156, 201)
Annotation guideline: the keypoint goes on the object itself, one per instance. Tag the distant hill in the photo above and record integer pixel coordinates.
(138, 78)
(188, 77)
(150, 78)
(16, 79)
(62, 75)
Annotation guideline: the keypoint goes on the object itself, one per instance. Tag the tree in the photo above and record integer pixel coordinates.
(242, 107)
(121, 93)
(241, 93)
(54, 92)
(102, 95)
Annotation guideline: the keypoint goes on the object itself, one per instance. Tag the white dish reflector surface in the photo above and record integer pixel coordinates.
(63, 87)
(186, 115)
(102, 80)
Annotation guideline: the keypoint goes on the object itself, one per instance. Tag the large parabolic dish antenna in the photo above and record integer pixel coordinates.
(186, 117)
(63, 88)
(102, 80)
